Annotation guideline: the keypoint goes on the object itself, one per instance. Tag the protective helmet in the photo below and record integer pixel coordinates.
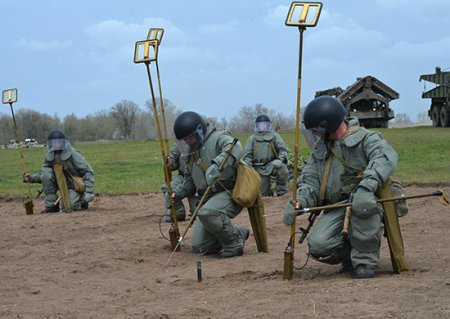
(189, 129)
(56, 141)
(263, 124)
(324, 114)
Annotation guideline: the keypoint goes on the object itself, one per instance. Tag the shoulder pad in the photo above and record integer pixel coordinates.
(356, 137)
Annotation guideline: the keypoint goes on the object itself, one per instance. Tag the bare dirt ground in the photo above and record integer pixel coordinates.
(109, 262)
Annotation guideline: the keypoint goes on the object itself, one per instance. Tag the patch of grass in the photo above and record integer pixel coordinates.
(134, 167)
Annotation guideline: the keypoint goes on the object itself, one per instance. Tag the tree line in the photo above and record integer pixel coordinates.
(125, 121)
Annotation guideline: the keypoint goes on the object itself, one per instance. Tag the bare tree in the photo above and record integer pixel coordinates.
(402, 119)
(6, 129)
(223, 123)
(33, 124)
(423, 118)
(170, 113)
(244, 121)
(125, 115)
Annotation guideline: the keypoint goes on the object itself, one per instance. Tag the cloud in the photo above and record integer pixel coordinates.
(219, 28)
(36, 45)
(431, 11)
(273, 17)
(419, 52)
(118, 32)
(189, 53)
(111, 42)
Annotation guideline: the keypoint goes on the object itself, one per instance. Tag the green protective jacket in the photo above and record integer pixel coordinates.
(364, 150)
(262, 149)
(73, 163)
(214, 149)
(362, 161)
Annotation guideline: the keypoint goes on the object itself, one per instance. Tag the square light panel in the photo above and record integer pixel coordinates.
(303, 14)
(146, 51)
(9, 96)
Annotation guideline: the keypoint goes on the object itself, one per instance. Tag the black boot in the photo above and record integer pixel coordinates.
(243, 234)
(50, 209)
(364, 271)
(346, 267)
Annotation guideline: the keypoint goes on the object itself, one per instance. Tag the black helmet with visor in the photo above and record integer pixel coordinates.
(56, 141)
(324, 114)
(263, 124)
(189, 129)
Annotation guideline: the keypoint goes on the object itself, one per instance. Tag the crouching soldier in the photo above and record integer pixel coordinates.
(64, 167)
(204, 149)
(267, 153)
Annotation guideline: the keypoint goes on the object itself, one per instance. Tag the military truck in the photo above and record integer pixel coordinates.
(367, 99)
(439, 111)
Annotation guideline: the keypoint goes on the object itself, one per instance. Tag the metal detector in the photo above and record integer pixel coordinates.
(157, 34)
(10, 97)
(146, 52)
(301, 15)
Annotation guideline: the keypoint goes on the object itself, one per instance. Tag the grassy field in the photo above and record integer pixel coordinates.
(135, 167)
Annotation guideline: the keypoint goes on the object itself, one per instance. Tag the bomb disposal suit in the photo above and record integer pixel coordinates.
(267, 153)
(204, 149)
(74, 166)
(361, 161)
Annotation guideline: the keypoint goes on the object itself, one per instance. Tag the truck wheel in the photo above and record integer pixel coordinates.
(435, 116)
(445, 117)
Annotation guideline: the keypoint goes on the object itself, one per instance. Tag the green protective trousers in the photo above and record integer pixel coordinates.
(213, 229)
(362, 246)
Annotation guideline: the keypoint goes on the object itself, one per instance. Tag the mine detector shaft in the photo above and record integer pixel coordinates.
(367, 99)
(10, 97)
(146, 52)
(439, 111)
(300, 15)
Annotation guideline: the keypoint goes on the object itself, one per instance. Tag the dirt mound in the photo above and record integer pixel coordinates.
(109, 262)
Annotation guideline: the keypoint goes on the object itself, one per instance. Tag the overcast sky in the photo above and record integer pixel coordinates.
(76, 56)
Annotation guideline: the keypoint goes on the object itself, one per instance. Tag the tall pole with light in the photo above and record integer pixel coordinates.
(301, 15)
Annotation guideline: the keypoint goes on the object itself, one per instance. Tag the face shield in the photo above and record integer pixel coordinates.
(313, 136)
(263, 127)
(57, 144)
(191, 143)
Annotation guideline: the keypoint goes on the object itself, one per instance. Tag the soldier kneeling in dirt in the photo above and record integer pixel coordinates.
(78, 175)
(204, 149)
(268, 154)
(348, 161)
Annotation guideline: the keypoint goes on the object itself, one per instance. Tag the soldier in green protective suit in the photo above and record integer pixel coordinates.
(204, 148)
(354, 161)
(267, 153)
(176, 163)
(74, 167)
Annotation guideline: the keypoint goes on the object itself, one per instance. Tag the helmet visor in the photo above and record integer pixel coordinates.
(263, 126)
(57, 144)
(313, 136)
(191, 143)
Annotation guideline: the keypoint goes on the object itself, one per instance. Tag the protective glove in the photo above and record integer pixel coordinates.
(26, 178)
(364, 204)
(277, 163)
(212, 173)
(89, 197)
(289, 213)
(284, 158)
